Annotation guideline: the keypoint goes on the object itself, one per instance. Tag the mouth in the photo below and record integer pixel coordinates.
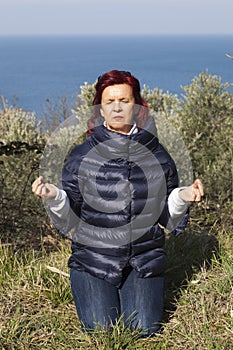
(118, 118)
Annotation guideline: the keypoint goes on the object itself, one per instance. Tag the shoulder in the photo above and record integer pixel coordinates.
(76, 155)
(81, 149)
(168, 165)
(163, 156)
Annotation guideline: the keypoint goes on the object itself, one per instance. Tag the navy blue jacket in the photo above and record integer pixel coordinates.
(118, 186)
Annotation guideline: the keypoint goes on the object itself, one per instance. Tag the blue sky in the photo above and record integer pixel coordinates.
(76, 17)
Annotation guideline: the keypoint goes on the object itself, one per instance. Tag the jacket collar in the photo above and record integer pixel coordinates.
(115, 145)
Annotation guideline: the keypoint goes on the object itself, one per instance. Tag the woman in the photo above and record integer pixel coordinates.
(119, 189)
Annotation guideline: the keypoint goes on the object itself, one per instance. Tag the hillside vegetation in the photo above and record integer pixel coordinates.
(36, 306)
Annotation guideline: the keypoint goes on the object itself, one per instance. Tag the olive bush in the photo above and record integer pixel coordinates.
(205, 120)
(20, 149)
(70, 131)
(164, 107)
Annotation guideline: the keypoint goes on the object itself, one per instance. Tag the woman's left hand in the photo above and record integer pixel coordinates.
(192, 193)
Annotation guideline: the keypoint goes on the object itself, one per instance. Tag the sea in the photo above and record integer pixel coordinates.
(35, 69)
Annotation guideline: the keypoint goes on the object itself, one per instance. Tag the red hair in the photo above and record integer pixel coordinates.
(114, 77)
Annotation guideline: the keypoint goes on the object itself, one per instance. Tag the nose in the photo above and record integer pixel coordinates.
(117, 106)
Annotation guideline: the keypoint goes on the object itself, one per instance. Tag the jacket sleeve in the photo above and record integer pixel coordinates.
(67, 224)
(71, 184)
(177, 224)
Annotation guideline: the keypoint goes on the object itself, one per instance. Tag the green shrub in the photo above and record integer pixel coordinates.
(20, 150)
(205, 120)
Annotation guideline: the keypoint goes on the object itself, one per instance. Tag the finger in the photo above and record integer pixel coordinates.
(36, 183)
(198, 185)
(44, 191)
(196, 195)
(39, 190)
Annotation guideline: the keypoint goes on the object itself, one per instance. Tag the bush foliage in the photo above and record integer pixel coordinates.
(21, 146)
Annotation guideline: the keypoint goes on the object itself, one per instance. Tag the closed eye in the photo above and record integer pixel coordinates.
(121, 100)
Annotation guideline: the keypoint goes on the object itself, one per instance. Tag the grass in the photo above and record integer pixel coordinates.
(37, 310)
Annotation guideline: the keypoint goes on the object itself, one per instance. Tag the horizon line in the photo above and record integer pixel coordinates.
(113, 34)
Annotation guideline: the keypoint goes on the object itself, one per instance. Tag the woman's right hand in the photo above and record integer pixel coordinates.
(43, 189)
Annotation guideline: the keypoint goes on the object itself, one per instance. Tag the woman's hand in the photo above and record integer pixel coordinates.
(192, 193)
(43, 189)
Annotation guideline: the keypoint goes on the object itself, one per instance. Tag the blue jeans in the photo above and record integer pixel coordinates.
(138, 300)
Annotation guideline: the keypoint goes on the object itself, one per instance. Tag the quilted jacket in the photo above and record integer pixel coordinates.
(118, 186)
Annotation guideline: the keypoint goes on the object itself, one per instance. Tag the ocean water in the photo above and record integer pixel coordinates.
(33, 69)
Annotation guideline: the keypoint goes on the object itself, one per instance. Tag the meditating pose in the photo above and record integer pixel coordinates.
(119, 190)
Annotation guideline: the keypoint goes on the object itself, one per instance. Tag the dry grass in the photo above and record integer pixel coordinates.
(37, 311)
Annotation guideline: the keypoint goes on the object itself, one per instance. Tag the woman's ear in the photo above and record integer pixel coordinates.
(101, 112)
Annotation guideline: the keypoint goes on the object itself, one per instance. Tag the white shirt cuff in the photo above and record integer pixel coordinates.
(59, 205)
(176, 205)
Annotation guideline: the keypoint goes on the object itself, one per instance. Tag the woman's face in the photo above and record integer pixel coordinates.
(117, 107)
